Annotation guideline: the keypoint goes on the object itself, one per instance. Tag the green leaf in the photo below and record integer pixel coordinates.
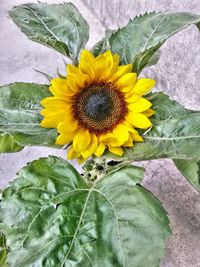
(52, 218)
(3, 251)
(191, 170)
(20, 114)
(58, 26)
(147, 58)
(7, 144)
(166, 108)
(138, 42)
(103, 45)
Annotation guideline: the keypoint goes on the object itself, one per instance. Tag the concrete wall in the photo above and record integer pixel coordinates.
(177, 73)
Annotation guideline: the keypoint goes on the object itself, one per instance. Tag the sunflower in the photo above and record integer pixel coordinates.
(98, 106)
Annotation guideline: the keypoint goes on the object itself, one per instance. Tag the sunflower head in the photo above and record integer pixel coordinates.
(98, 106)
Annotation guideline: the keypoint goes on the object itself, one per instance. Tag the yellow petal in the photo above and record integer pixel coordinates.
(104, 138)
(121, 71)
(73, 85)
(127, 80)
(91, 147)
(140, 105)
(81, 140)
(149, 112)
(72, 154)
(74, 70)
(143, 86)
(107, 56)
(67, 125)
(59, 83)
(74, 74)
(60, 88)
(59, 93)
(86, 63)
(134, 135)
(104, 66)
(139, 120)
(64, 139)
(116, 150)
(121, 133)
(48, 123)
(100, 149)
(126, 90)
(128, 143)
(76, 83)
(137, 137)
(131, 97)
(51, 118)
(58, 115)
(110, 139)
(54, 103)
(129, 127)
(113, 69)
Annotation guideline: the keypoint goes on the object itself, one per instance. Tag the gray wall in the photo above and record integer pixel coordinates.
(177, 74)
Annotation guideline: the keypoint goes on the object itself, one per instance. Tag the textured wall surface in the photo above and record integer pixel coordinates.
(177, 73)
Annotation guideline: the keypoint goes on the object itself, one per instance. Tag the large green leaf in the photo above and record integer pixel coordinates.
(52, 218)
(20, 114)
(3, 251)
(58, 26)
(138, 42)
(166, 108)
(191, 170)
(7, 144)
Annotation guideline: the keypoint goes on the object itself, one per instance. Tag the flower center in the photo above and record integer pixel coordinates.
(99, 107)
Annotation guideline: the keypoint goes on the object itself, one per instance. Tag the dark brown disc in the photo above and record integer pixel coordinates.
(99, 107)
